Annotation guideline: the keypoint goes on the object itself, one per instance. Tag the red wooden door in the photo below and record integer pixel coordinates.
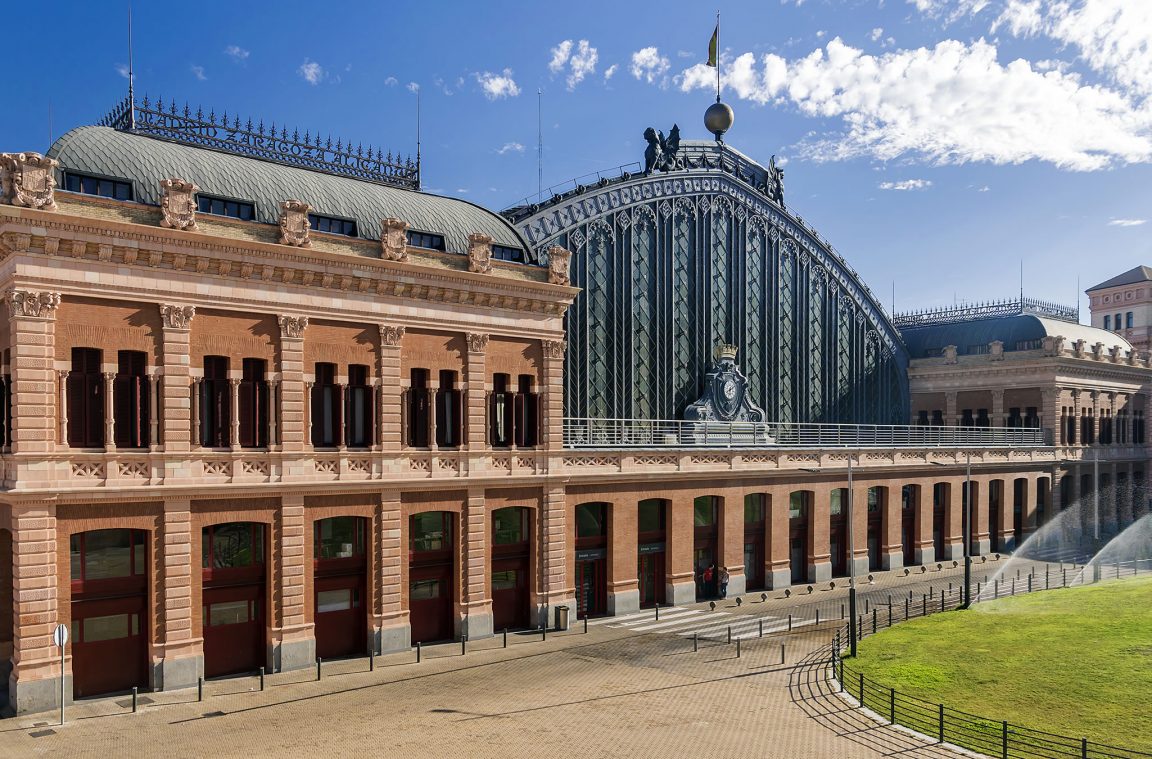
(430, 603)
(651, 576)
(341, 616)
(510, 593)
(233, 629)
(109, 645)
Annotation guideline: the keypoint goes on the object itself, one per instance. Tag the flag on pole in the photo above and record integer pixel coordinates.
(713, 54)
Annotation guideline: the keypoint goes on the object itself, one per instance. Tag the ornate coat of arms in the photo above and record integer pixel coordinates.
(178, 204)
(479, 253)
(294, 224)
(725, 397)
(393, 239)
(27, 179)
(558, 261)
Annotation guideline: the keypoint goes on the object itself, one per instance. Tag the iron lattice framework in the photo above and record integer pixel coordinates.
(269, 144)
(673, 264)
(988, 310)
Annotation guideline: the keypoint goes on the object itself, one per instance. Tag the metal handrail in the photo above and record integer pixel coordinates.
(580, 432)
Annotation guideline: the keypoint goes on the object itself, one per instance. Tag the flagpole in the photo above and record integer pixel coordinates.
(717, 56)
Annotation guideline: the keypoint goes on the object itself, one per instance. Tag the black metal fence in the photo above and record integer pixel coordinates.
(997, 738)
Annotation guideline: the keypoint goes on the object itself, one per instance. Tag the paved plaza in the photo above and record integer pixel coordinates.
(630, 686)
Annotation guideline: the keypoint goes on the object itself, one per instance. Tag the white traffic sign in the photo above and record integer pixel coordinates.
(60, 635)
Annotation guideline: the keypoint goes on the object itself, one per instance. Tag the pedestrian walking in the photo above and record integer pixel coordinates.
(723, 582)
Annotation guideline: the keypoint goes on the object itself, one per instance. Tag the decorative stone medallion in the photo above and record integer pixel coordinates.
(394, 239)
(479, 253)
(178, 204)
(27, 179)
(294, 224)
(558, 262)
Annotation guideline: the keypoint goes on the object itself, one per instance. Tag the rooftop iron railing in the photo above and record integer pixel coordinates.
(671, 433)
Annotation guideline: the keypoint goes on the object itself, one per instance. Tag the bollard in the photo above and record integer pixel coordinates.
(873, 621)
(371, 660)
(923, 605)
(1064, 572)
(817, 617)
(781, 653)
(729, 634)
(1029, 583)
(941, 723)
(789, 623)
(417, 652)
(889, 600)
(737, 648)
(1004, 739)
(585, 623)
(889, 615)
(695, 642)
(949, 587)
(941, 602)
(905, 609)
(543, 631)
(841, 612)
(319, 661)
(1045, 578)
(463, 645)
(135, 693)
(865, 605)
(1084, 748)
(506, 632)
(861, 690)
(1013, 587)
(860, 627)
(657, 612)
(977, 589)
(892, 705)
(200, 689)
(761, 635)
(996, 588)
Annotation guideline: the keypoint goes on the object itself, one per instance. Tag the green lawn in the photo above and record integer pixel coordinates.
(1075, 662)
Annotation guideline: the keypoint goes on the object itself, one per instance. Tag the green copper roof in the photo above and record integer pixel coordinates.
(1010, 330)
(146, 160)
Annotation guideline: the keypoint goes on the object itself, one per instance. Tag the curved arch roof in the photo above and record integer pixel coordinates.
(146, 160)
(923, 341)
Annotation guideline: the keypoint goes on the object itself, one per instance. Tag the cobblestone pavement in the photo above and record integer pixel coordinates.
(613, 691)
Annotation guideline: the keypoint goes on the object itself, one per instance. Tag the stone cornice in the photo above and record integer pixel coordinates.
(126, 244)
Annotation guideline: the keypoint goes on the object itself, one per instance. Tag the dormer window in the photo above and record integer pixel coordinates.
(426, 240)
(506, 253)
(105, 187)
(237, 209)
(333, 225)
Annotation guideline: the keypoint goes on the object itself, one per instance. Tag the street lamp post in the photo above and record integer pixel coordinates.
(1095, 513)
(851, 565)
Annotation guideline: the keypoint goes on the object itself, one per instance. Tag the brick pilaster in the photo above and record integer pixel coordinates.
(32, 684)
(175, 637)
(292, 424)
(389, 412)
(32, 338)
(556, 557)
(291, 632)
(176, 433)
(391, 616)
(475, 605)
(552, 402)
(476, 385)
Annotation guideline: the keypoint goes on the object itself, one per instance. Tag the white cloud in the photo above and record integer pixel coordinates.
(953, 103)
(984, 188)
(312, 72)
(649, 66)
(122, 69)
(498, 86)
(579, 58)
(906, 184)
(610, 71)
(462, 190)
(1114, 37)
(560, 55)
(391, 81)
(1127, 222)
(413, 87)
(236, 53)
(198, 72)
(510, 147)
(877, 33)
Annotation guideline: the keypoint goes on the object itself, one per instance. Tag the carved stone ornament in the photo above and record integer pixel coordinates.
(479, 253)
(294, 224)
(177, 317)
(390, 336)
(1098, 351)
(1115, 353)
(31, 303)
(293, 326)
(1079, 347)
(553, 348)
(178, 204)
(1053, 345)
(950, 354)
(996, 350)
(726, 393)
(27, 179)
(394, 240)
(558, 262)
(477, 342)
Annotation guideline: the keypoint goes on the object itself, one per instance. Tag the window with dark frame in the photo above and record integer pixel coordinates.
(339, 538)
(130, 402)
(234, 545)
(215, 404)
(426, 240)
(85, 389)
(105, 187)
(448, 411)
(359, 424)
(333, 225)
(507, 253)
(417, 408)
(236, 209)
(327, 419)
(254, 404)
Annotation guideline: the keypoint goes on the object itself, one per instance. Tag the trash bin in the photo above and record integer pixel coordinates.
(562, 618)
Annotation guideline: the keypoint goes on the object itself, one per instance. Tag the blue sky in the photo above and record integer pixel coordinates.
(935, 143)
